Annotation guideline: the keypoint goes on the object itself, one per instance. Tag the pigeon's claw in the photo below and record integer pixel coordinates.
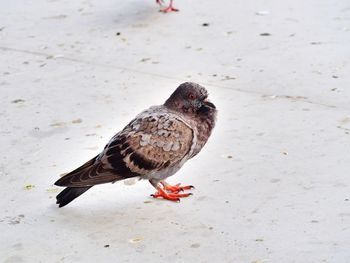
(176, 188)
(175, 197)
(169, 9)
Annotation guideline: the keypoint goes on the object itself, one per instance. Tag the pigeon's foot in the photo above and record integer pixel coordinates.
(169, 196)
(169, 9)
(175, 188)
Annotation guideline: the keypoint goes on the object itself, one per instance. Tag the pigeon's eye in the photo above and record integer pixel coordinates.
(191, 96)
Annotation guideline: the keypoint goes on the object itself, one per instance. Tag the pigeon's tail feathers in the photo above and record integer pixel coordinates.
(66, 180)
(69, 194)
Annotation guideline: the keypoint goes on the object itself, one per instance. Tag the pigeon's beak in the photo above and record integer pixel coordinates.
(207, 106)
(208, 103)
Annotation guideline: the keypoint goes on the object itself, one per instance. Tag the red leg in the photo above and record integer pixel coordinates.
(170, 8)
(176, 188)
(160, 2)
(169, 196)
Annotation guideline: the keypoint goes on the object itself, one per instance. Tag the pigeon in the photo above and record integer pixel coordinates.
(153, 146)
(169, 8)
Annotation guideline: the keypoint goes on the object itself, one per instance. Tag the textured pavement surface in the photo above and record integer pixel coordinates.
(272, 184)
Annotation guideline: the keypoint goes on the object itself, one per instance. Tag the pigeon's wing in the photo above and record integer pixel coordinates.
(146, 145)
(149, 144)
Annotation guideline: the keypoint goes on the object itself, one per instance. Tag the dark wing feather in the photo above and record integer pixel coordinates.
(92, 173)
(69, 194)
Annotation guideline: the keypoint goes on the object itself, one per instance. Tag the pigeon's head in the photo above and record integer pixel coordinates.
(191, 98)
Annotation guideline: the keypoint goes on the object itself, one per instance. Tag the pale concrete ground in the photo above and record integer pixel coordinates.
(68, 83)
